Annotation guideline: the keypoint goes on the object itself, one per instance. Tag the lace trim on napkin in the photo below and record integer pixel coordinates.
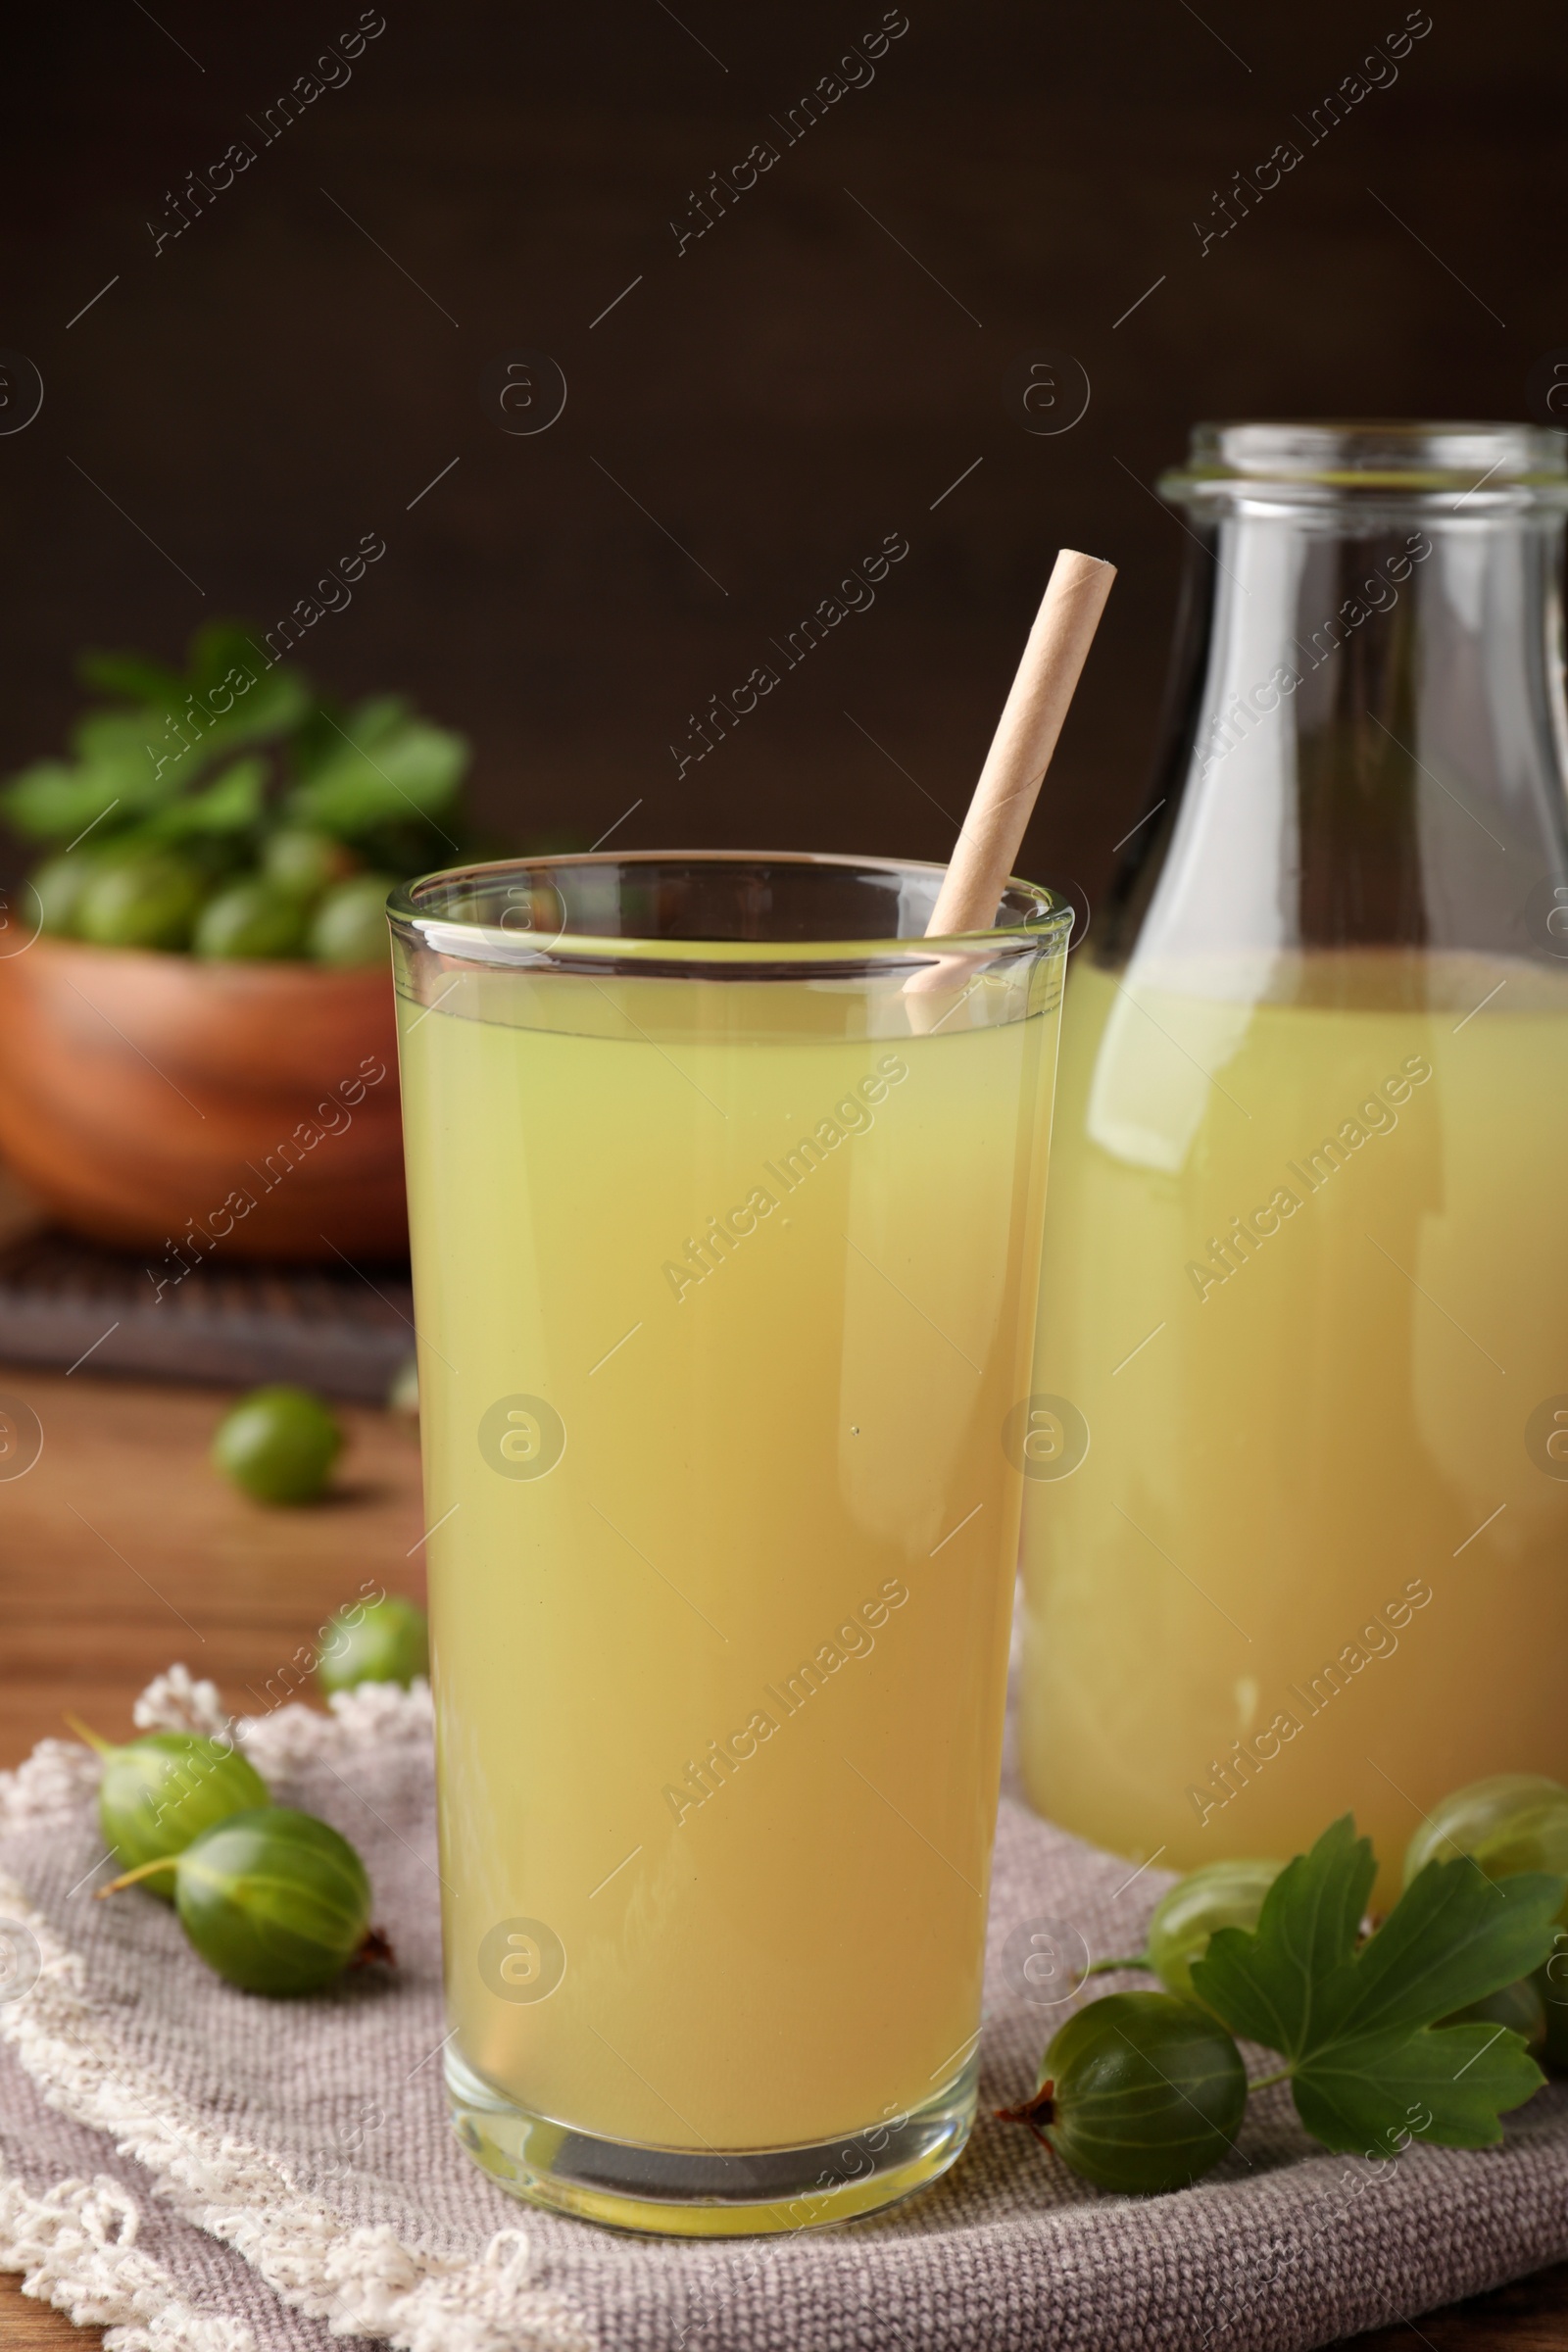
(362, 2282)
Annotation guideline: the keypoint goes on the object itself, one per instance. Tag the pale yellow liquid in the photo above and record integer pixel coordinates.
(1318, 1436)
(754, 1470)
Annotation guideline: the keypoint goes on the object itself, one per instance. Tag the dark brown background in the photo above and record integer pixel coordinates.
(793, 387)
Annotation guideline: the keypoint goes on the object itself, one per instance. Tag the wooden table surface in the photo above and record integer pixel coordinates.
(121, 1550)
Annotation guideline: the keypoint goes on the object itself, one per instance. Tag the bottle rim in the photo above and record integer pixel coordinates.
(1472, 466)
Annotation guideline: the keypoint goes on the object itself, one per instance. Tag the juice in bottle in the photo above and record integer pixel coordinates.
(1306, 1281)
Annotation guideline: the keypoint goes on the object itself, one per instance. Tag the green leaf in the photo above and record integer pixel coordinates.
(131, 678)
(377, 718)
(382, 773)
(377, 773)
(50, 802)
(1355, 2024)
(222, 646)
(115, 743)
(1453, 1936)
(318, 737)
(1448, 2086)
(55, 800)
(262, 708)
(233, 803)
(1274, 1977)
(267, 703)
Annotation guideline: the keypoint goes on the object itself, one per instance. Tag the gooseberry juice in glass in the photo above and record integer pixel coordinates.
(724, 1290)
(1305, 1280)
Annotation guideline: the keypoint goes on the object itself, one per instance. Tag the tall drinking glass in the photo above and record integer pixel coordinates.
(725, 1250)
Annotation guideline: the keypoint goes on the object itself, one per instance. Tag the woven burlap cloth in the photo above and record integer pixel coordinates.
(195, 2167)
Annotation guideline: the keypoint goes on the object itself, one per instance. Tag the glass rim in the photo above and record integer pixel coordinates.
(1491, 463)
(1047, 916)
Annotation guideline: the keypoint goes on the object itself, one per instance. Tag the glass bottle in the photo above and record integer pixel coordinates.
(1296, 1525)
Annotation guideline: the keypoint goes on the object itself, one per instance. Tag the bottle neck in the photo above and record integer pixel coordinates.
(1366, 745)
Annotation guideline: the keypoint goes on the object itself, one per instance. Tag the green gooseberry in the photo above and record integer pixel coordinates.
(252, 918)
(1551, 1980)
(385, 1640)
(1514, 1821)
(306, 862)
(349, 926)
(280, 1444)
(1517, 1821)
(1140, 2093)
(160, 1792)
(274, 1900)
(147, 900)
(1222, 1894)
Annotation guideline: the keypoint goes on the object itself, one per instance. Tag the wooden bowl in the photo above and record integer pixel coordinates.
(245, 1108)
